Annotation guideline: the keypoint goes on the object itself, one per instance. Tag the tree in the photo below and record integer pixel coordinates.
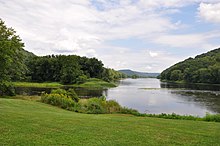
(175, 75)
(70, 70)
(11, 59)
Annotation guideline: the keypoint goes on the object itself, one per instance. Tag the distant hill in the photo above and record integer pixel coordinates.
(129, 72)
(204, 68)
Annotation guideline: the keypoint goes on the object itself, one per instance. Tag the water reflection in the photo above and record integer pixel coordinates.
(82, 92)
(160, 97)
(153, 96)
(191, 86)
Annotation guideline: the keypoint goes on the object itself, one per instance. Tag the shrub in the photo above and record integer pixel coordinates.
(81, 79)
(112, 106)
(6, 88)
(72, 94)
(126, 110)
(214, 118)
(59, 91)
(69, 93)
(96, 106)
(59, 100)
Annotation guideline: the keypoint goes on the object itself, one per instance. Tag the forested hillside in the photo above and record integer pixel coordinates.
(204, 68)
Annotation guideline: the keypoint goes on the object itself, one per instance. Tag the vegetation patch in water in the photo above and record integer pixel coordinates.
(96, 83)
(89, 83)
(37, 85)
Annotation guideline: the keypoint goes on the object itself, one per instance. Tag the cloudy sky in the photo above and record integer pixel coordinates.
(143, 35)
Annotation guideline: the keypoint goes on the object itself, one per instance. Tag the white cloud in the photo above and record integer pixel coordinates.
(83, 28)
(210, 12)
(153, 54)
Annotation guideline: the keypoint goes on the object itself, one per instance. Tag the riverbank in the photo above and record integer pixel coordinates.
(90, 83)
(34, 123)
(184, 82)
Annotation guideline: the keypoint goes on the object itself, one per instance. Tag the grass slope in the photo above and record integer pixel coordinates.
(33, 123)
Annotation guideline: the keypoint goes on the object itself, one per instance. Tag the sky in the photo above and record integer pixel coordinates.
(142, 35)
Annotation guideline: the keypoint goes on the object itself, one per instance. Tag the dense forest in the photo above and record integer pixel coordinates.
(204, 68)
(67, 69)
(19, 65)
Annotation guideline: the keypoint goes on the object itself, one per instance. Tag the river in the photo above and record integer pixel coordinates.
(149, 95)
(152, 96)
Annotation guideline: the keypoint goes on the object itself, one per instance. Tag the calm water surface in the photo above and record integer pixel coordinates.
(152, 96)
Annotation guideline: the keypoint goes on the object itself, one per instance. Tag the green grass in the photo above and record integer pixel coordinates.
(38, 85)
(90, 83)
(96, 83)
(25, 122)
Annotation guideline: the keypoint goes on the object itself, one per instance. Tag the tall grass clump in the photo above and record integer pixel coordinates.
(62, 98)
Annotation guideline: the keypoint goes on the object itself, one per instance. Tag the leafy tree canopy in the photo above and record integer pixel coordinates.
(204, 68)
(11, 58)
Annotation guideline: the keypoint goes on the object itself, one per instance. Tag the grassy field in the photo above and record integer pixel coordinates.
(90, 83)
(33, 123)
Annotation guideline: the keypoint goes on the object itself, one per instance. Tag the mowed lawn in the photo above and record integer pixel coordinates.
(25, 122)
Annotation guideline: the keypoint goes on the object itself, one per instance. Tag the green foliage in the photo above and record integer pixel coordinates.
(131, 111)
(212, 118)
(59, 91)
(68, 69)
(97, 83)
(111, 75)
(72, 94)
(173, 116)
(176, 75)
(113, 106)
(6, 88)
(70, 101)
(38, 85)
(81, 79)
(11, 59)
(203, 68)
(59, 100)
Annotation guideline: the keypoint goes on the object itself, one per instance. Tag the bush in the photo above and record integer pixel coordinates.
(7, 88)
(59, 100)
(81, 79)
(112, 106)
(72, 94)
(126, 110)
(59, 91)
(213, 118)
(99, 106)
(96, 106)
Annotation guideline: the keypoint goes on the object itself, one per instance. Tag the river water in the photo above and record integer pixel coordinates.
(149, 95)
(152, 96)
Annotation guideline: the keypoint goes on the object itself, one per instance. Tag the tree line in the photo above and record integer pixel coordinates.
(204, 68)
(68, 69)
(16, 64)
